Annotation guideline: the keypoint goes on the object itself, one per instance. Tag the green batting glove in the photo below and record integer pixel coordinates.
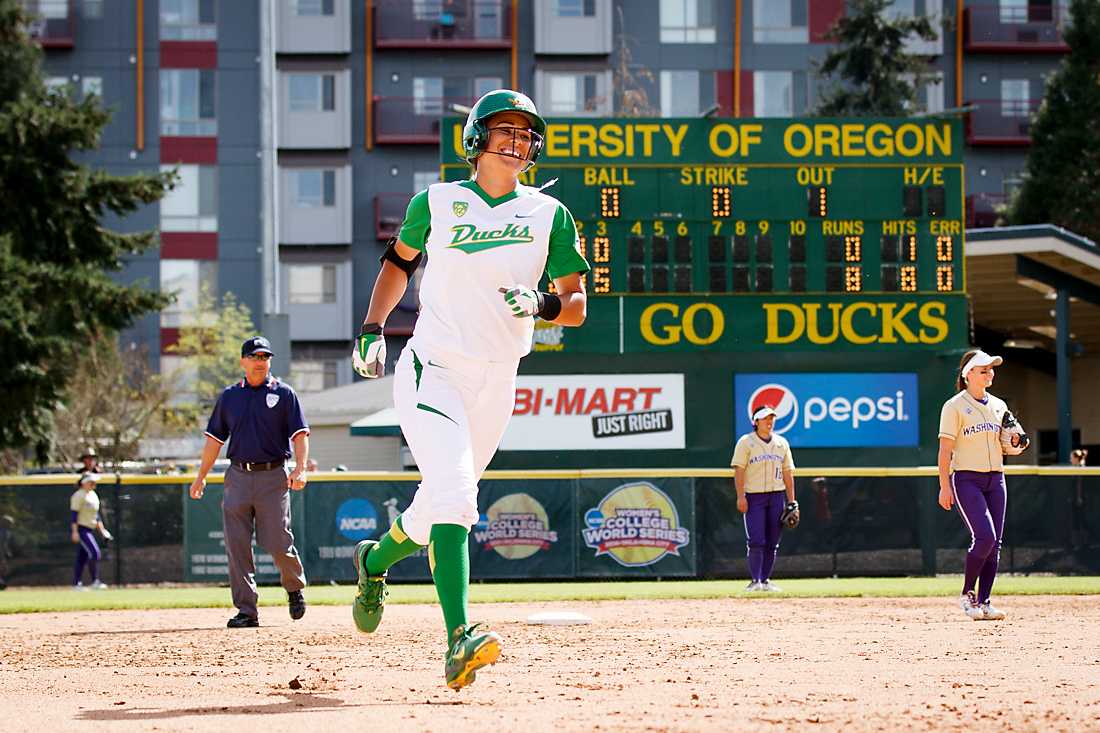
(369, 357)
(523, 301)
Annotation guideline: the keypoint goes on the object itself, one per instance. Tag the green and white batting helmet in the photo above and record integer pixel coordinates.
(475, 134)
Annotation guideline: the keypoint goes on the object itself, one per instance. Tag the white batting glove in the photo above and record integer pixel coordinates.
(368, 358)
(523, 301)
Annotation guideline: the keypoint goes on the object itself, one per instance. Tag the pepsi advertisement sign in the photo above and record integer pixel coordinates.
(833, 410)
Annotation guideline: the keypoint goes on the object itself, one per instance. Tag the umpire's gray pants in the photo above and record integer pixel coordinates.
(259, 498)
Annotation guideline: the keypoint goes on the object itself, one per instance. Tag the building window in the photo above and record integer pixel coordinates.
(311, 284)
(93, 9)
(1015, 98)
(187, 20)
(431, 94)
(428, 95)
(571, 93)
(780, 21)
(187, 105)
(47, 9)
(186, 279)
(575, 8)
(687, 21)
(313, 375)
(423, 179)
(1014, 11)
(312, 92)
(192, 206)
(313, 188)
(485, 84)
(773, 93)
(686, 93)
(75, 87)
(313, 7)
(427, 9)
(900, 9)
(90, 85)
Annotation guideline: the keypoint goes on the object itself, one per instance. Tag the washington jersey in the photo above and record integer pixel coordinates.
(764, 462)
(86, 505)
(976, 429)
(476, 244)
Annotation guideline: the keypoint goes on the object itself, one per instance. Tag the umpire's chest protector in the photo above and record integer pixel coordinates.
(474, 248)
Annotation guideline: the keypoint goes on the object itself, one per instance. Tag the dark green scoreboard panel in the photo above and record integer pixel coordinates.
(767, 206)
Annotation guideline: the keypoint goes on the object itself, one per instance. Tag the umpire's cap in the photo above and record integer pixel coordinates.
(256, 345)
(89, 452)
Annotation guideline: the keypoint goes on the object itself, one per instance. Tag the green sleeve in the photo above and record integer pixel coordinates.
(418, 222)
(566, 256)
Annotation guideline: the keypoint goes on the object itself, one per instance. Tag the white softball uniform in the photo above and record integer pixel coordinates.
(454, 387)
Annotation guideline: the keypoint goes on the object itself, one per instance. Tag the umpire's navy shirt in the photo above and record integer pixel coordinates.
(259, 422)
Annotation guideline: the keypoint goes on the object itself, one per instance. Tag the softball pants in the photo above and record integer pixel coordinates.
(762, 531)
(453, 413)
(981, 499)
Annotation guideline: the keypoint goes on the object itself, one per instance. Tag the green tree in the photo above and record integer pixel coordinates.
(869, 74)
(211, 349)
(113, 400)
(56, 256)
(1062, 178)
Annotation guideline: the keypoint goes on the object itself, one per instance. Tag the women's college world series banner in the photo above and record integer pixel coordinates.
(597, 412)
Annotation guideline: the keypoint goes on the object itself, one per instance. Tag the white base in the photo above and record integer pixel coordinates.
(558, 618)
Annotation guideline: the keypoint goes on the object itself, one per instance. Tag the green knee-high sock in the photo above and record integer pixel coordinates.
(449, 558)
(395, 545)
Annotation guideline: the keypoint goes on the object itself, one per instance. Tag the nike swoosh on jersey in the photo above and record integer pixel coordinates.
(475, 247)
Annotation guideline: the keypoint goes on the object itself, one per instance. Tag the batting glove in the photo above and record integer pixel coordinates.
(524, 302)
(369, 357)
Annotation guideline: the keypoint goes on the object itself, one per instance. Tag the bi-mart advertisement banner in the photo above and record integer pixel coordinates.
(597, 412)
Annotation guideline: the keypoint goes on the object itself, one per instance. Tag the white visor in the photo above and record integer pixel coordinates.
(981, 359)
(761, 413)
(90, 478)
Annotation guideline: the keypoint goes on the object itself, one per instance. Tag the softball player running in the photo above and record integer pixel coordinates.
(976, 431)
(762, 471)
(488, 241)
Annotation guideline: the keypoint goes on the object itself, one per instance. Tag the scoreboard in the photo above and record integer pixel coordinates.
(764, 206)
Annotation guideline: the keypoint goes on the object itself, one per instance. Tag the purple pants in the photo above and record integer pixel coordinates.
(980, 498)
(87, 553)
(762, 530)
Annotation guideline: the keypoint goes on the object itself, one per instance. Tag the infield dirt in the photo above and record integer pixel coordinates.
(754, 664)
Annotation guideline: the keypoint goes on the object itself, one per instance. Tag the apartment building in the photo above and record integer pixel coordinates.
(301, 127)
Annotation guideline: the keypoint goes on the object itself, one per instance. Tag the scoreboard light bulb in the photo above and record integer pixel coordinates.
(609, 202)
(945, 249)
(945, 278)
(601, 249)
(720, 201)
(818, 199)
(911, 248)
(601, 280)
(853, 249)
(908, 279)
(853, 279)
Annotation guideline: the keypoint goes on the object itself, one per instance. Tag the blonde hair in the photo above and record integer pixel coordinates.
(960, 383)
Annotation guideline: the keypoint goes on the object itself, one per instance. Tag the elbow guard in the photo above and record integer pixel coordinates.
(406, 266)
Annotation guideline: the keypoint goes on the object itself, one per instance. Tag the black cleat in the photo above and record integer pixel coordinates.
(241, 621)
(296, 602)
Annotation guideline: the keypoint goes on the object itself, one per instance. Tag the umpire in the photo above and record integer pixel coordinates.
(261, 418)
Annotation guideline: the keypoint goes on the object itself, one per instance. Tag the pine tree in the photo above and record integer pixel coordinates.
(1062, 179)
(876, 77)
(56, 257)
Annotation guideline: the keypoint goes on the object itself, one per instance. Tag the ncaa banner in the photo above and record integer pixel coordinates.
(836, 410)
(597, 412)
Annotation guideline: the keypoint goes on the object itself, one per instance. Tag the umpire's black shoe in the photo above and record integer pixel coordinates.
(296, 602)
(243, 621)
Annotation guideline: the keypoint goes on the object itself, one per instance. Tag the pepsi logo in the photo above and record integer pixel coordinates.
(779, 398)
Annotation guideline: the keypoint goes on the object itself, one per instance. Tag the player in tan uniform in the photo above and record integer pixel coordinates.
(763, 477)
(84, 519)
(976, 432)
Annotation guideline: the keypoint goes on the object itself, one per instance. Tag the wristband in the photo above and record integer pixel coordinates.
(549, 306)
(370, 329)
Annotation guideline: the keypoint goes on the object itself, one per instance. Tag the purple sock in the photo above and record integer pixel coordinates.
(988, 575)
(756, 563)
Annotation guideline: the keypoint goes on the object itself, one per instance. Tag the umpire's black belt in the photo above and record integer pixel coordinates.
(246, 466)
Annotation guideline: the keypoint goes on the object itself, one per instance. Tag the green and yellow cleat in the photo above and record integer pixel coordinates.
(371, 598)
(470, 652)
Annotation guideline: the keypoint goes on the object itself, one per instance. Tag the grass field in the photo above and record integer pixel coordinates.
(41, 600)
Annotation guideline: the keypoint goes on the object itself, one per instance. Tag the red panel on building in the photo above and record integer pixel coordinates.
(188, 54)
(202, 150)
(189, 245)
(723, 95)
(747, 108)
(168, 337)
(823, 13)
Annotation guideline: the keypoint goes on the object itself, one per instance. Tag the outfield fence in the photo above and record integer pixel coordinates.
(545, 525)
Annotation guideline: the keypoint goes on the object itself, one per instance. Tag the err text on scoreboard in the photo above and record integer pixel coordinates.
(756, 205)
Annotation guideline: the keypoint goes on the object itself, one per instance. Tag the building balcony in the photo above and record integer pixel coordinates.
(51, 23)
(1001, 122)
(984, 210)
(457, 24)
(389, 212)
(408, 120)
(1016, 29)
